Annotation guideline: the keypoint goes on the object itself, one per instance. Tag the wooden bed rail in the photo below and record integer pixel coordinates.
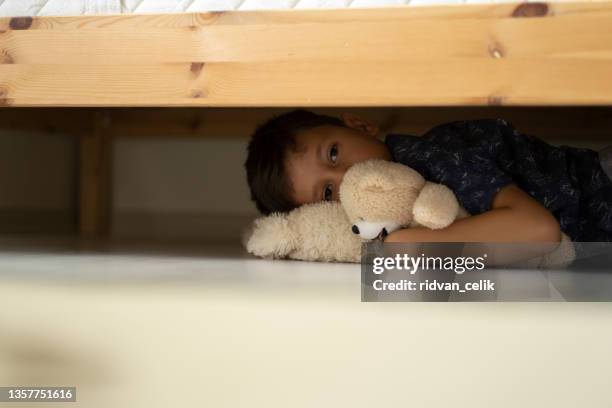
(528, 54)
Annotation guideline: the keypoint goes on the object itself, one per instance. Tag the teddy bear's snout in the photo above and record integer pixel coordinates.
(374, 230)
(380, 233)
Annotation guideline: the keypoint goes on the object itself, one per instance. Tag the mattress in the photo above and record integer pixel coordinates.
(11, 8)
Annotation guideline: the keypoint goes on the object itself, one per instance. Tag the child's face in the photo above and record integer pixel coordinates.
(326, 152)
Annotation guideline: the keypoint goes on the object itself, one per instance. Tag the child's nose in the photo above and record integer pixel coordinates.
(339, 178)
(335, 173)
(341, 170)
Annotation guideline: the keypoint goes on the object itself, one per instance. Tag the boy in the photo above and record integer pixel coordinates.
(517, 187)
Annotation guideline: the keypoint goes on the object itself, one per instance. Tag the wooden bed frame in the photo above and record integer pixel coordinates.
(411, 66)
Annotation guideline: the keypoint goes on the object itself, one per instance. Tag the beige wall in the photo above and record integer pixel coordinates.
(191, 188)
(181, 175)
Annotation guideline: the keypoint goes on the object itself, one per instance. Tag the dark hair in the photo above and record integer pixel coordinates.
(267, 150)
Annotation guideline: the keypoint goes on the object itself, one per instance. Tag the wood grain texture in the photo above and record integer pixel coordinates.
(528, 54)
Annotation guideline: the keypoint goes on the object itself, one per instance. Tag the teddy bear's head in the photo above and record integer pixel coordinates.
(378, 196)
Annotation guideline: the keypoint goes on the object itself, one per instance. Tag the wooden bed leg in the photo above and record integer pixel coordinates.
(95, 174)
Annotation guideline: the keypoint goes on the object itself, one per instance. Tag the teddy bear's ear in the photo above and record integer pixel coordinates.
(271, 237)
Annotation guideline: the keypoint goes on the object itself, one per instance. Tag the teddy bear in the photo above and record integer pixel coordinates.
(377, 197)
(335, 231)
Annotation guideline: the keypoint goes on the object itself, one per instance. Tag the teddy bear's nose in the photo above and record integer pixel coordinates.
(355, 229)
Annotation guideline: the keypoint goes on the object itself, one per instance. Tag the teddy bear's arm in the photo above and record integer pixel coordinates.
(436, 206)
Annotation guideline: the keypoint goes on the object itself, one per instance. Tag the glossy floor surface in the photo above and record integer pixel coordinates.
(136, 324)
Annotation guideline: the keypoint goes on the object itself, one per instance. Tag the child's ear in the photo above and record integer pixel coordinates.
(358, 123)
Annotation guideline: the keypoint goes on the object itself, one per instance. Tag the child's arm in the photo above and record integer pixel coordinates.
(515, 217)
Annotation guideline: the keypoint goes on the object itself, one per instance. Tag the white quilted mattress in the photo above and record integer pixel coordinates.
(12, 8)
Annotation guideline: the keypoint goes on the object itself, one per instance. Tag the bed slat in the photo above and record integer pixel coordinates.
(527, 54)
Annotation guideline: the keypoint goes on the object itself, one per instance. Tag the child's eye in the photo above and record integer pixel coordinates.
(333, 152)
(327, 196)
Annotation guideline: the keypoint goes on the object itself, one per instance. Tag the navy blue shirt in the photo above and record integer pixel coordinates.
(477, 158)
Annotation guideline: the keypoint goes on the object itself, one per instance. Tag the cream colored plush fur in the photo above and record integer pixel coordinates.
(374, 194)
(311, 232)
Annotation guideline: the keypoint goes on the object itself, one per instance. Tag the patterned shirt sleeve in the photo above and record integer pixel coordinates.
(462, 155)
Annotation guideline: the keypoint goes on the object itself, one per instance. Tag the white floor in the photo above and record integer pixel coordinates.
(134, 324)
